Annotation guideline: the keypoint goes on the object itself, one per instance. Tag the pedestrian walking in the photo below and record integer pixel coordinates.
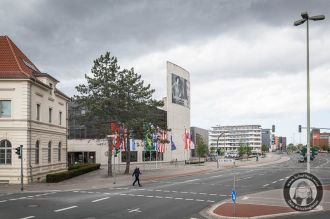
(137, 174)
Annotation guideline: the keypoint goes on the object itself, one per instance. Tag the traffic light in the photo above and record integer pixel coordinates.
(273, 128)
(299, 128)
(18, 152)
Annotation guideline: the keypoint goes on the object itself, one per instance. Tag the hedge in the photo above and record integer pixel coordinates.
(58, 177)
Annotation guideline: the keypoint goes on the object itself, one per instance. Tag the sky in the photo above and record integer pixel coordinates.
(247, 61)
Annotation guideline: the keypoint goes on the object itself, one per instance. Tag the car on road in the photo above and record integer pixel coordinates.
(301, 159)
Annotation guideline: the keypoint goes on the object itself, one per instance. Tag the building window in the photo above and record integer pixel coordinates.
(51, 88)
(60, 117)
(38, 112)
(50, 115)
(59, 151)
(5, 152)
(5, 108)
(49, 151)
(37, 152)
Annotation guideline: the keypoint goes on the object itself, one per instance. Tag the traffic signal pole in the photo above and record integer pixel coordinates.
(21, 150)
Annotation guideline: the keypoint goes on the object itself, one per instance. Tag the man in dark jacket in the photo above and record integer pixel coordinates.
(137, 174)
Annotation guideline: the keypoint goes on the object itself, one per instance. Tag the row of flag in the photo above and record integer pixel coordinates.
(155, 139)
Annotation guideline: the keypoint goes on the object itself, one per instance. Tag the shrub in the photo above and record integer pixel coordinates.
(58, 177)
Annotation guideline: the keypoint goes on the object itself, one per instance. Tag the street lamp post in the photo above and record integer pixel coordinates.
(306, 18)
(218, 149)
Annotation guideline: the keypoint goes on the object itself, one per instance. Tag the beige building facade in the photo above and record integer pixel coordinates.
(33, 113)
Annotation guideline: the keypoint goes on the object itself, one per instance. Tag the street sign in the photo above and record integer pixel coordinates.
(233, 196)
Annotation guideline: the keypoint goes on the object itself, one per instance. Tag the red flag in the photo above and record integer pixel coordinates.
(115, 130)
(186, 139)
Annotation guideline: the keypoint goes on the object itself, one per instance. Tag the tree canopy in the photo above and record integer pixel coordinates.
(115, 94)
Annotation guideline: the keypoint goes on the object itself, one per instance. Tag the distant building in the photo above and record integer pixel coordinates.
(203, 133)
(33, 113)
(320, 140)
(279, 143)
(266, 137)
(232, 137)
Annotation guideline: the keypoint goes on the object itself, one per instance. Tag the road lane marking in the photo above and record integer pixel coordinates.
(222, 195)
(213, 194)
(3, 201)
(28, 217)
(101, 199)
(200, 200)
(140, 195)
(158, 190)
(178, 198)
(281, 179)
(265, 185)
(64, 209)
(150, 196)
(158, 196)
(274, 182)
(202, 193)
(134, 210)
(189, 199)
(169, 197)
(193, 192)
(210, 201)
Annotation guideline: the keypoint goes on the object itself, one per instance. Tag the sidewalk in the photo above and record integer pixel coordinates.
(99, 179)
(262, 205)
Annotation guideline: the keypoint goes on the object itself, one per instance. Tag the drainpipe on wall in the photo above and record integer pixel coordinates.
(30, 132)
(67, 134)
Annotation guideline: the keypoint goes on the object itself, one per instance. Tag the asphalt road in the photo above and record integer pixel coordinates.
(180, 197)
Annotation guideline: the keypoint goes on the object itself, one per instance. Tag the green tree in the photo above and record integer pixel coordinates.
(264, 148)
(112, 94)
(244, 150)
(202, 148)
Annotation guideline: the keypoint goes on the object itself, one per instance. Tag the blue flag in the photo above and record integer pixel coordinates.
(132, 144)
(173, 147)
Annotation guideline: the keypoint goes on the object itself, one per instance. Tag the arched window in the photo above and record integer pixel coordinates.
(5, 152)
(49, 152)
(37, 152)
(59, 151)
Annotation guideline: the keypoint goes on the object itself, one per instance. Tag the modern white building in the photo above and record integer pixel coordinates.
(33, 113)
(232, 137)
(177, 115)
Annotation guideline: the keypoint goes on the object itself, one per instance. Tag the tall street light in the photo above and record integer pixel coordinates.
(306, 18)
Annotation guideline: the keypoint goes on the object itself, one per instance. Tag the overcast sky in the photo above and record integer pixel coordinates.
(247, 61)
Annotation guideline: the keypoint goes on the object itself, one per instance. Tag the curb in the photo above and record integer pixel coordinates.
(209, 212)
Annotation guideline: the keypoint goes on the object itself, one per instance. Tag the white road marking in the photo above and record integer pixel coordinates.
(141, 189)
(189, 199)
(202, 193)
(90, 192)
(131, 195)
(274, 182)
(193, 192)
(178, 198)
(13, 199)
(265, 185)
(134, 210)
(166, 191)
(158, 190)
(140, 195)
(213, 194)
(222, 195)
(64, 209)
(169, 197)
(200, 200)
(210, 201)
(158, 197)
(150, 196)
(123, 194)
(281, 179)
(3, 201)
(245, 198)
(174, 191)
(101, 199)
(184, 192)
(28, 217)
